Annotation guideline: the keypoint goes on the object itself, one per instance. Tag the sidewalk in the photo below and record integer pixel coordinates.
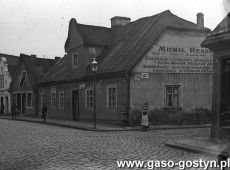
(209, 146)
(101, 127)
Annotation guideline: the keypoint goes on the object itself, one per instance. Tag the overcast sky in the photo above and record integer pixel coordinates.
(41, 26)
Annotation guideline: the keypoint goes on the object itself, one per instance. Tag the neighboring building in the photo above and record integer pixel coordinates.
(7, 68)
(155, 59)
(219, 43)
(23, 88)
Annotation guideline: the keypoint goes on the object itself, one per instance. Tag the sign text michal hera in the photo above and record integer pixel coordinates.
(164, 59)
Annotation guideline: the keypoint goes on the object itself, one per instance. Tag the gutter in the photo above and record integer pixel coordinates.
(83, 78)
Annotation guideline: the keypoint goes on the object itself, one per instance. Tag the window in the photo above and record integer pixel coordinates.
(172, 96)
(75, 60)
(29, 99)
(61, 99)
(112, 97)
(23, 78)
(53, 99)
(89, 98)
(42, 99)
(2, 81)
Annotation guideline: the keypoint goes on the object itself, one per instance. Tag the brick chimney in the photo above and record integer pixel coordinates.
(200, 20)
(57, 58)
(119, 21)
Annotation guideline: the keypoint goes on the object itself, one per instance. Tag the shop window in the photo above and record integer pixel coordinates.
(89, 98)
(75, 60)
(29, 99)
(2, 81)
(172, 96)
(53, 100)
(61, 99)
(111, 97)
(23, 78)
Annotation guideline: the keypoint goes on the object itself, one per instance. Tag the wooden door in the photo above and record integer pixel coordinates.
(75, 105)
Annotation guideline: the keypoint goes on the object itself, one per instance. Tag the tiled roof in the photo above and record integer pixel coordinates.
(220, 33)
(11, 59)
(12, 69)
(126, 46)
(36, 67)
(94, 34)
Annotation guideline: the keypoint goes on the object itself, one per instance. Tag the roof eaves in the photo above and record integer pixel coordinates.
(205, 30)
(87, 77)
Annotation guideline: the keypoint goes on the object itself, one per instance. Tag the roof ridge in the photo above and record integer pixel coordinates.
(45, 58)
(87, 25)
(184, 19)
(147, 17)
(9, 55)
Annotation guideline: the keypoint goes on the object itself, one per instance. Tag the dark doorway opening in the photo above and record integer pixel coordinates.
(23, 103)
(75, 104)
(225, 97)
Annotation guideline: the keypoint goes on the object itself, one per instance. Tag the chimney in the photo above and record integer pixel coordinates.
(33, 55)
(57, 58)
(119, 21)
(200, 20)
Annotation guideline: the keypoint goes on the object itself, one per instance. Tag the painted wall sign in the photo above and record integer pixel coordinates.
(168, 59)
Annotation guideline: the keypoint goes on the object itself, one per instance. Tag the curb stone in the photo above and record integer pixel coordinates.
(108, 129)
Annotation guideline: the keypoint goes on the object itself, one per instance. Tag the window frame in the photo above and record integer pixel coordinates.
(53, 103)
(27, 100)
(86, 98)
(74, 64)
(2, 81)
(172, 93)
(23, 73)
(59, 98)
(108, 97)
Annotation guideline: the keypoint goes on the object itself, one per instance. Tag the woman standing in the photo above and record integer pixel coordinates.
(144, 118)
(44, 112)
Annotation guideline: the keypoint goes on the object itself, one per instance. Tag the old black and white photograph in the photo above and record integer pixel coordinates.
(115, 84)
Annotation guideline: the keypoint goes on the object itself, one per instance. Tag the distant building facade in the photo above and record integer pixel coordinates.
(156, 59)
(7, 69)
(23, 88)
(219, 42)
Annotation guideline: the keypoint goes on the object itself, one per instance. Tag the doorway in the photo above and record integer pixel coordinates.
(23, 103)
(6, 104)
(75, 104)
(19, 101)
(225, 99)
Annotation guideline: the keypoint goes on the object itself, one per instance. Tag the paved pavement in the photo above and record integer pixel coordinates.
(100, 126)
(32, 146)
(203, 145)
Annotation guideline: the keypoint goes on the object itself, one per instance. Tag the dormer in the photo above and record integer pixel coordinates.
(74, 38)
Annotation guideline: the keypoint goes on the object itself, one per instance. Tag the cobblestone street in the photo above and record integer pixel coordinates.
(31, 146)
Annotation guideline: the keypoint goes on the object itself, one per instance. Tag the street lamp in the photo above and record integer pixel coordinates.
(94, 66)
